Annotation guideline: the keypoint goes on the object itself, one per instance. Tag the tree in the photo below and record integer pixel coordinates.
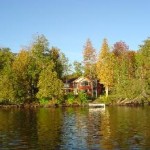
(6, 76)
(144, 64)
(55, 57)
(6, 58)
(22, 76)
(65, 65)
(120, 48)
(105, 66)
(50, 87)
(126, 84)
(78, 68)
(123, 68)
(39, 46)
(131, 64)
(61, 64)
(131, 75)
(40, 58)
(6, 86)
(89, 59)
(143, 60)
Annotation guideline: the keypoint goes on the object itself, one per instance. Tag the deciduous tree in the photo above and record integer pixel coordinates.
(22, 76)
(120, 48)
(143, 60)
(6, 75)
(78, 67)
(89, 59)
(104, 66)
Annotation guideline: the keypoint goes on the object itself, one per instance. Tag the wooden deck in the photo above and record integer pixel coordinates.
(96, 105)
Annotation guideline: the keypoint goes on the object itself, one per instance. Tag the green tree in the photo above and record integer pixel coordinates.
(55, 57)
(39, 46)
(61, 62)
(123, 69)
(143, 61)
(65, 64)
(105, 66)
(6, 77)
(22, 78)
(6, 58)
(78, 67)
(6, 86)
(50, 87)
(131, 56)
(40, 58)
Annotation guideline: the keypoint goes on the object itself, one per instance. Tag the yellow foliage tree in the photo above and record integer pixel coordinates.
(104, 66)
(22, 79)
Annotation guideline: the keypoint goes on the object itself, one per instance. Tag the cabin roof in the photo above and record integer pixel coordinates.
(81, 79)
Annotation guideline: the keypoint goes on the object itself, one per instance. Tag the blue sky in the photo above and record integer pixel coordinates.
(68, 23)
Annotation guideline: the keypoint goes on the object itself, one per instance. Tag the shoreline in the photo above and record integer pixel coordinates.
(37, 105)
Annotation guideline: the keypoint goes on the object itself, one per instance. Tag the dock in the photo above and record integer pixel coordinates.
(91, 105)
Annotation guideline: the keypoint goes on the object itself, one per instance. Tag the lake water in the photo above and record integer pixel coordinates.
(115, 128)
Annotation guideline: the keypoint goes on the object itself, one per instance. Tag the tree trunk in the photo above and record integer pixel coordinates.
(106, 91)
(92, 87)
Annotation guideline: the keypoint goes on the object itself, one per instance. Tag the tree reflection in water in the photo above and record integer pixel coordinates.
(75, 128)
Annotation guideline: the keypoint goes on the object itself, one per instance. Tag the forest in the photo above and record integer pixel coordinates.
(37, 72)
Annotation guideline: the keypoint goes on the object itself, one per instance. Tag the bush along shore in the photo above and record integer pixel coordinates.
(81, 100)
(113, 100)
(69, 100)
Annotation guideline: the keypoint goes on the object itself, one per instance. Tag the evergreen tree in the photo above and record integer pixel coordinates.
(40, 58)
(61, 62)
(55, 57)
(50, 87)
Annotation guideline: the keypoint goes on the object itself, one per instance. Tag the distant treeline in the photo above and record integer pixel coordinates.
(38, 71)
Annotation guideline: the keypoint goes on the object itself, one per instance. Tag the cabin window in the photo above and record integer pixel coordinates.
(84, 83)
